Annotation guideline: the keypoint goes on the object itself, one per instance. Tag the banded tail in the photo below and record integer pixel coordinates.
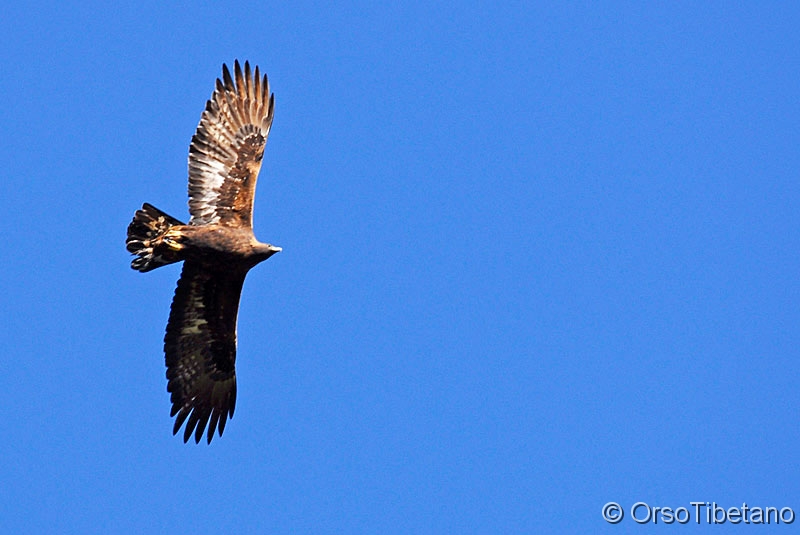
(144, 237)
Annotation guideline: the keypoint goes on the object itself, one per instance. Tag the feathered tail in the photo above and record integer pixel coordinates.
(148, 226)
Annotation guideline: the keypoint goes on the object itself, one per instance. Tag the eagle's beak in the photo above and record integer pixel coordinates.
(275, 249)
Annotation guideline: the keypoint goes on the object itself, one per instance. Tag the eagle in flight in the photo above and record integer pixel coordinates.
(217, 248)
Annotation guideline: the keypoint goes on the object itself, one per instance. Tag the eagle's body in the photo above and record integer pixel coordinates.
(218, 248)
(214, 244)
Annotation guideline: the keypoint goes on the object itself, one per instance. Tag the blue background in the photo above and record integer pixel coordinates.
(537, 257)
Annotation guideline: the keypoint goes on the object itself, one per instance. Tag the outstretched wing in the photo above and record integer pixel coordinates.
(200, 349)
(227, 149)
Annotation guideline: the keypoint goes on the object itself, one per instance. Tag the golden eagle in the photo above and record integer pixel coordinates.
(217, 246)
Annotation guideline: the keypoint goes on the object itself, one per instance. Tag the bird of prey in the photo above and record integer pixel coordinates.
(217, 248)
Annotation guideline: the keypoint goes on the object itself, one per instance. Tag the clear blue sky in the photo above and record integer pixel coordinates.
(537, 257)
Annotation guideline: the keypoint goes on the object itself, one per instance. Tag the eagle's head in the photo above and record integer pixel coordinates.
(262, 251)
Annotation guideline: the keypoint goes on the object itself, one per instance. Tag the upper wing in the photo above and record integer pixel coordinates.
(226, 151)
(200, 349)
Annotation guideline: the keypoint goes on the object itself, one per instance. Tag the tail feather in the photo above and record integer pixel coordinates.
(147, 226)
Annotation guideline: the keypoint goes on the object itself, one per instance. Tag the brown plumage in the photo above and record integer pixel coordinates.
(217, 247)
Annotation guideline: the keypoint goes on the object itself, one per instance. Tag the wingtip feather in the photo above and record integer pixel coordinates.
(226, 77)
